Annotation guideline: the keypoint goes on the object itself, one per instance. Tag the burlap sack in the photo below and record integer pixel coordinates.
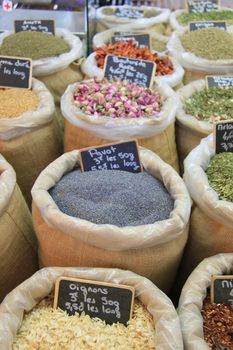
(192, 296)
(189, 130)
(105, 21)
(197, 67)
(58, 72)
(211, 224)
(138, 248)
(156, 134)
(28, 294)
(18, 256)
(31, 141)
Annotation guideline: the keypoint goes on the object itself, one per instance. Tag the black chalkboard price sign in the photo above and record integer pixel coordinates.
(35, 25)
(129, 12)
(221, 81)
(141, 40)
(109, 302)
(210, 24)
(203, 5)
(130, 69)
(118, 156)
(15, 72)
(223, 136)
(221, 289)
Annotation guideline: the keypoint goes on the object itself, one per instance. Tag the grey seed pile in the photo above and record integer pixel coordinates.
(113, 197)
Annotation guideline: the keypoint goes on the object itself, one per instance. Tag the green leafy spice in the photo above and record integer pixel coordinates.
(215, 102)
(210, 43)
(220, 175)
(224, 15)
(34, 45)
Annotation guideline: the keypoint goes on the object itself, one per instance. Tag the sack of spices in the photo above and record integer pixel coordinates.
(168, 70)
(115, 219)
(145, 114)
(204, 325)
(52, 56)
(18, 255)
(208, 178)
(25, 311)
(29, 136)
(203, 52)
(143, 18)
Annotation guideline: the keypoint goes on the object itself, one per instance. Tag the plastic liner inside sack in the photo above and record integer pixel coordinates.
(193, 294)
(14, 127)
(121, 128)
(197, 183)
(50, 65)
(29, 293)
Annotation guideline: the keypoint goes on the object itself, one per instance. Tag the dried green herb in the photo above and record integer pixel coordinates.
(211, 43)
(224, 15)
(158, 45)
(206, 104)
(34, 45)
(220, 175)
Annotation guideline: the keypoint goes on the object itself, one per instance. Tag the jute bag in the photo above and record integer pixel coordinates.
(192, 296)
(156, 23)
(58, 72)
(32, 140)
(18, 255)
(153, 251)
(211, 223)
(189, 130)
(197, 67)
(28, 294)
(156, 134)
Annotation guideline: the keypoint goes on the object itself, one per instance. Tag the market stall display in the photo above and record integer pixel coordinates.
(18, 255)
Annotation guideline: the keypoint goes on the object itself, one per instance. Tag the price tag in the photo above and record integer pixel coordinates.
(107, 301)
(129, 12)
(221, 81)
(203, 5)
(130, 69)
(35, 25)
(223, 136)
(15, 72)
(210, 24)
(221, 289)
(117, 156)
(141, 40)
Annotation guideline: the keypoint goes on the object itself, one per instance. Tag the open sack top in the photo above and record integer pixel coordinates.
(7, 183)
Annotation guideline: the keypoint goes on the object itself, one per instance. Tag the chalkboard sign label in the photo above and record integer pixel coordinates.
(15, 72)
(117, 156)
(223, 136)
(123, 33)
(221, 289)
(203, 5)
(204, 24)
(35, 25)
(107, 301)
(129, 12)
(130, 69)
(221, 81)
(141, 40)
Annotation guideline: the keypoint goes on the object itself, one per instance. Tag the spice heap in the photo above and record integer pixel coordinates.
(117, 99)
(158, 45)
(217, 325)
(128, 49)
(224, 15)
(15, 102)
(220, 175)
(206, 104)
(147, 12)
(210, 43)
(34, 45)
(113, 197)
(48, 328)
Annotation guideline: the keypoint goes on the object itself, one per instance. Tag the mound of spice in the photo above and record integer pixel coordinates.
(128, 49)
(224, 15)
(210, 43)
(117, 99)
(34, 45)
(220, 175)
(47, 328)
(113, 197)
(14, 102)
(217, 325)
(206, 104)
(158, 45)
